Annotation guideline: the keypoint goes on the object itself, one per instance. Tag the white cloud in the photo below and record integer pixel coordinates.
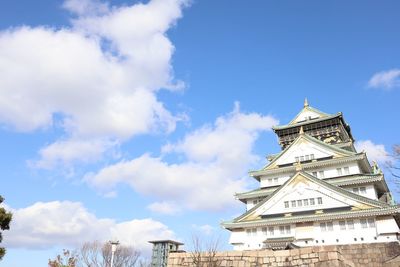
(48, 224)
(375, 152)
(167, 208)
(204, 229)
(70, 151)
(385, 79)
(217, 159)
(97, 79)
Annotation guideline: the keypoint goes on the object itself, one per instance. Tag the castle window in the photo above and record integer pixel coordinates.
(319, 200)
(363, 223)
(342, 225)
(314, 174)
(254, 231)
(275, 180)
(307, 157)
(301, 158)
(321, 174)
(312, 156)
(328, 226)
(339, 171)
(363, 190)
(293, 203)
(264, 230)
(286, 204)
(287, 228)
(271, 230)
(299, 203)
(355, 190)
(248, 232)
(350, 224)
(305, 202)
(254, 202)
(312, 201)
(297, 159)
(282, 229)
(371, 222)
(346, 170)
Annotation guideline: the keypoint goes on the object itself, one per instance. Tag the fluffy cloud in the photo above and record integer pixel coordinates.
(168, 208)
(97, 79)
(385, 79)
(217, 158)
(204, 229)
(48, 224)
(374, 152)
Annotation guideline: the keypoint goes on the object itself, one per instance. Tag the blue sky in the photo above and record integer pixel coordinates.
(138, 120)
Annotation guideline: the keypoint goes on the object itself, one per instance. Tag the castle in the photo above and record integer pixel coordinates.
(317, 191)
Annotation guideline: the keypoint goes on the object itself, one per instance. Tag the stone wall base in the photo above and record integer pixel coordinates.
(357, 255)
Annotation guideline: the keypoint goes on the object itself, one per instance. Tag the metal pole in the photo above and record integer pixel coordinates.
(114, 245)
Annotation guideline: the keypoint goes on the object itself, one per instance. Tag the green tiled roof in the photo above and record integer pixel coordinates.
(314, 217)
(281, 127)
(338, 181)
(313, 164)
(322, 183)
(313, 140)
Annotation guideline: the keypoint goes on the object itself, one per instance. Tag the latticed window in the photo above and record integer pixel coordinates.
(350, 224)
(371, 222)
(271, 230)
(342, 225)
(363, 223)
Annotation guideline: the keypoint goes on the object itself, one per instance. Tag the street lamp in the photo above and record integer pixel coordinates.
(114, 245)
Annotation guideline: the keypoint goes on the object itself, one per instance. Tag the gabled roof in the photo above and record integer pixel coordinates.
(365, 203)
(355, 179)
(361, 158)
(308, 110)
(305, 137)
(298, 124)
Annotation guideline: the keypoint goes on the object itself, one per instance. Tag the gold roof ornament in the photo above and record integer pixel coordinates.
(301, 132)
(305, 102)
(299, 167)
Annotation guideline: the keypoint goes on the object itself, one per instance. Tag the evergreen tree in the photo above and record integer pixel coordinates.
(5, 219)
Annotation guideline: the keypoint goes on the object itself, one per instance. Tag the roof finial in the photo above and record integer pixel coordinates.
(305, 102)
(301, 132)
(299, 167)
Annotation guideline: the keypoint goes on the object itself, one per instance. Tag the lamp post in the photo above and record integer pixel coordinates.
(114, 245)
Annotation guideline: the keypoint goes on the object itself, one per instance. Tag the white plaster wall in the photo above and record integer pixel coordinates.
(274, 180)
(250, 202)
(386, 225)
(318, 237)
(329, 172)
(305, 115)
(256, 241)
(303, 148)
(370, 190)
(301, 194)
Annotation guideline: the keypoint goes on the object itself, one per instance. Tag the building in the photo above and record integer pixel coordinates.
(161, 249)
(317, 191)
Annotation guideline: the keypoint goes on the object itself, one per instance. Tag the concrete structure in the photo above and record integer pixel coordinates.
(161, 250)
(317, 191)
(356, 255)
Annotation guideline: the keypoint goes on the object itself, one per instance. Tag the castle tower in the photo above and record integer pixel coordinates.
(317, 191)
